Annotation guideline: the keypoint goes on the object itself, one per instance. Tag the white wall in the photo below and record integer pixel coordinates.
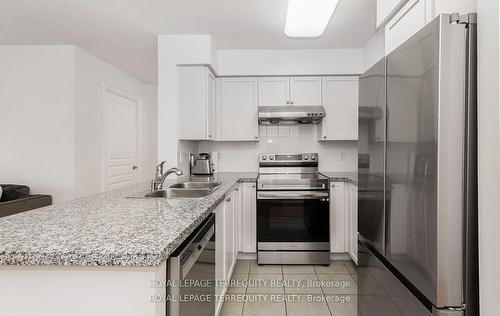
(37, 118)
(289, 61)
(172, 51)
(50, 122)
(92, 74)
(243, 156)
(489, 155)
(374, 50)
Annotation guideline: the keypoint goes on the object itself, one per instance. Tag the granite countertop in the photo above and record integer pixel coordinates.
(108, 229)
(342, 176)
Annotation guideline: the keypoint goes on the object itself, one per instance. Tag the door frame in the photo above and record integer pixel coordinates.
(109, 88)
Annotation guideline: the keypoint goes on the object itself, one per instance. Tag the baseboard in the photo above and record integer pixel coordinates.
(333, 256)
(247, 256)
(340, 256)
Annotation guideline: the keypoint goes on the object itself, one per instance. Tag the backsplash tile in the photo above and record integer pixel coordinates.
(243, 156)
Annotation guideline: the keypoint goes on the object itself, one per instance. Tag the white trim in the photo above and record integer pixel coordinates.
(340, 256)
(109, 88)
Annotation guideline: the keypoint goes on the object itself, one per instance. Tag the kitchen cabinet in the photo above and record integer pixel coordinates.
(220, 255)
(230, 234)
(386, 9)
(305, 91)
(352, 220)
(237, 108)
(274, 91)
(283, 91)
(405, 23)
(248, 219)
(196, 103)
(411, 15)
(344, 219)
(340, 99)
(337, 217)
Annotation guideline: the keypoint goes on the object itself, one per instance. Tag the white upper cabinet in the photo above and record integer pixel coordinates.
(196, 103)
(386, 8)
(305, 91)
(274, 91)
(409, 16)
(282, 91)
(237, 109)
(407, 21)
(340, 99)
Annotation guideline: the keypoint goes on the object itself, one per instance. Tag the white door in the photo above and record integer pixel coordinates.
(305, 91)
(238, 107)
(121, 140)
(274, 91)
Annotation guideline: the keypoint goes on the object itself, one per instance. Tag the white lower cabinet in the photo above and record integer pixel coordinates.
(225, 244)
(352, 221)
(220, 256)
(344, 219)
(247, 219)
(337, 217)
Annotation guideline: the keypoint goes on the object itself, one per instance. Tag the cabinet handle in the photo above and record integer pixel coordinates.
(256, 137)
(253, 185)
(209, 136)
(324, 137)
(228, 199)
(292, 102)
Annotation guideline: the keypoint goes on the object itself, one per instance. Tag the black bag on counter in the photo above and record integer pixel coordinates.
(13, 191)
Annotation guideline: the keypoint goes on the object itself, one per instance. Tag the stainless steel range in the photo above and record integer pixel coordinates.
(293, 210)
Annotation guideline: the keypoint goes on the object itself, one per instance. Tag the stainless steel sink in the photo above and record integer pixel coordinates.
(186, 190)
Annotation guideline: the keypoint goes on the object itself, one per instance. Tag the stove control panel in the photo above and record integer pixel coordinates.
(283, 157)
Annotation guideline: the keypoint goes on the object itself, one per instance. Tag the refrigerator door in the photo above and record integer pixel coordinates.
(371, 159)
(425, 160)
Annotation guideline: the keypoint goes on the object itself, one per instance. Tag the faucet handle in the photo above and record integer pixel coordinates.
(159, 169)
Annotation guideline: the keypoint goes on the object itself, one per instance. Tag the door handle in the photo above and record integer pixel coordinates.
(135, 167)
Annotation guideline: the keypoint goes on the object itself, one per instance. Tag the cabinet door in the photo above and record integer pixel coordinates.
(386, 9)
(196, 103)
(407, 21)
(353, 222)
(274, 91)
(305, 91)
(220, 254)
(238, 105)
(249, 218)
(337, 217)
(210, 106)
(340, 99)
(229, 236)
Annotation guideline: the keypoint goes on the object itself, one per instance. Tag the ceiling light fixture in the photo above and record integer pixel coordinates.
(308, 18)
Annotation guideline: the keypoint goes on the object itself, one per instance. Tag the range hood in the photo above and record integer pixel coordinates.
(291, 114)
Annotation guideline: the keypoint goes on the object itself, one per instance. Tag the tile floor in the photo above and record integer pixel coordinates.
(290, 290)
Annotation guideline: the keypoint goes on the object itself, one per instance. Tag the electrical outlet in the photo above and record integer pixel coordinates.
(342, 156)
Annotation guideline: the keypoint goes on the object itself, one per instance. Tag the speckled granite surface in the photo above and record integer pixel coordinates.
(336, 176)
(108, 229)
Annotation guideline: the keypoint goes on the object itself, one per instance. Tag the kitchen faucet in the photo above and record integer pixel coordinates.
(157, 183)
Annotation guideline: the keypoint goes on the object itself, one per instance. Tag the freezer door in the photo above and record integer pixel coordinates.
(425, 158)
(371, 158)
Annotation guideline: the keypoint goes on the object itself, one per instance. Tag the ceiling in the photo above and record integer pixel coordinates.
(123, 32)
(109, 29)
(254, 24)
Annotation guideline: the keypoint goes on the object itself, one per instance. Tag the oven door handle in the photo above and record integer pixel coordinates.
(292, 195)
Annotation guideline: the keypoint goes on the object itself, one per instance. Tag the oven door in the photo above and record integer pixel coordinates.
(293, 220)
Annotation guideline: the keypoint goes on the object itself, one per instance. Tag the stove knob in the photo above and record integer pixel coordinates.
(306, 157)
(271, 157)
(313, 157)
(264, 157)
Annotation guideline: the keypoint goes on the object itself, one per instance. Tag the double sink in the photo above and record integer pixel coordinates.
(189, 189)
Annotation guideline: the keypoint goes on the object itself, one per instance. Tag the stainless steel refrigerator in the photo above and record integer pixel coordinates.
(418, 175)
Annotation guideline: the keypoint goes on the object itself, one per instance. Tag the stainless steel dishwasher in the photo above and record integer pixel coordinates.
(191, 274)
